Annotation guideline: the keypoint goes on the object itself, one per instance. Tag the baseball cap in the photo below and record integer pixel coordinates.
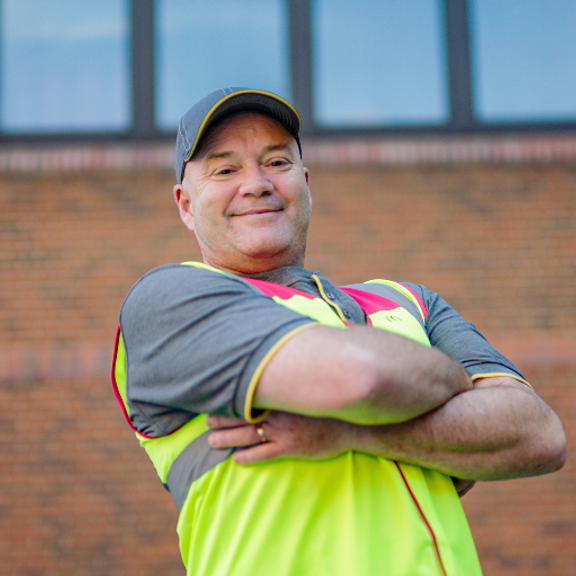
(216, 106)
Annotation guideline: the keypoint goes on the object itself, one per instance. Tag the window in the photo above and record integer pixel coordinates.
(378, 63)
(204, 45)
(127, 69)
(65, 66)
(524, 60)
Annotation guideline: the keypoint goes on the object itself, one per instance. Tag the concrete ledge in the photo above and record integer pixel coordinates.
(445, 150)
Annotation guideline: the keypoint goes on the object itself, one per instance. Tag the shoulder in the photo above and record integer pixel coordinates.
(173, 280)
(427, 296)
(171, 275)
(176, 293)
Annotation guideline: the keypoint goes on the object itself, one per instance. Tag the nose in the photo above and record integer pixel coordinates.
(255, 181)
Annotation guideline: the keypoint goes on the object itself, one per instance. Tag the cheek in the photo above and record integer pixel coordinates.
(209, 224)
(203, 221)
(304, 204)
(205, 206)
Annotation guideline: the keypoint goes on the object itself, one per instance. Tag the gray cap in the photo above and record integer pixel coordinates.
(222, 103)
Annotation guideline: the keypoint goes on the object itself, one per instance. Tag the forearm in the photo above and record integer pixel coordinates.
(358, 375)
(498, 430)
(484, 434)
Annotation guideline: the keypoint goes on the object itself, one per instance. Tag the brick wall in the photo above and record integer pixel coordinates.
(494, 234)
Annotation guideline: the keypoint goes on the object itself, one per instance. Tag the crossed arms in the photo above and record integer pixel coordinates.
(331, 390)
(372, 391)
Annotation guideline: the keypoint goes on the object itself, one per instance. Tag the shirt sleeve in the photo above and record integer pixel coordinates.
(193, 340)
(449, 332)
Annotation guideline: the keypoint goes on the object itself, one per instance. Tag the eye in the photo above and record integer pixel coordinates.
(223, 171)
(278, 162)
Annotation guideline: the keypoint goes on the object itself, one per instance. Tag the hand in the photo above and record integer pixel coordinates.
(288, 436)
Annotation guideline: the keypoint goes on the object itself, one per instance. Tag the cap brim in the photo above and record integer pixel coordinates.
(249, 101)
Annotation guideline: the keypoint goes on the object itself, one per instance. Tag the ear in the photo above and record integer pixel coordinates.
(307, 176)
(182, 199)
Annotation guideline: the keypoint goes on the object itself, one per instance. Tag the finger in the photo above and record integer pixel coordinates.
(256, 454)
(217, 421)
(234, 437)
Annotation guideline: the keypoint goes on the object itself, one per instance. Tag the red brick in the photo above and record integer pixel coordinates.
(497, 240)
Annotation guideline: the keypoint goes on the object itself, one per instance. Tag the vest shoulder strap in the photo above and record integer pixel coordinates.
(396, 292)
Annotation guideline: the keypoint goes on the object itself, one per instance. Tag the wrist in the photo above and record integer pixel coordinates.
(359, 438)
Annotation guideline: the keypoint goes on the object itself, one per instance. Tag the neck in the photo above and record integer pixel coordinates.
(254, 265)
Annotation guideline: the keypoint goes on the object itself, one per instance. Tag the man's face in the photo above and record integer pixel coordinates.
(246, 196)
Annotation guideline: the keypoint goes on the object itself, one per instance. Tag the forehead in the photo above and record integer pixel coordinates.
(245, 126)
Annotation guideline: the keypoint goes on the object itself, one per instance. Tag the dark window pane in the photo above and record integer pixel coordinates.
(65, 66)
(204, 45)
(524, 59)
(378, 62)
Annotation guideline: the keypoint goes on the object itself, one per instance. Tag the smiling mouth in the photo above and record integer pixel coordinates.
(259, 212)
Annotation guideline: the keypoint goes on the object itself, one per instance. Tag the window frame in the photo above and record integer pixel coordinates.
(461, 107)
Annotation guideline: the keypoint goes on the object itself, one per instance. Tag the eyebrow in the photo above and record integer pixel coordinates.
(217, 155)
(276, 147)
(229, 153)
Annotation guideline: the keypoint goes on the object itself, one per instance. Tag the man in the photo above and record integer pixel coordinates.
(345, 420)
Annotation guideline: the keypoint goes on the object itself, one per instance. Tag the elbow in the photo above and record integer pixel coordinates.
(561, 459)
(553, 460)
(558, 453)
(558, 445)
(552, 449)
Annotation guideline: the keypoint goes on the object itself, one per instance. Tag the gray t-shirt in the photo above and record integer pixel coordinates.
(194, 338)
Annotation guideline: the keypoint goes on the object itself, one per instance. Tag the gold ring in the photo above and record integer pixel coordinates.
(262, 436)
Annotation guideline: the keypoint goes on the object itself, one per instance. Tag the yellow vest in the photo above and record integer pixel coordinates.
(353, 514)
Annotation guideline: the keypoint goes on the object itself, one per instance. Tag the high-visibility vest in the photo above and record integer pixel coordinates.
(353, 514)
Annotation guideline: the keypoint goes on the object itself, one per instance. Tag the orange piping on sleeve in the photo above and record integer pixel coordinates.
(258, 372)
(497, 374)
